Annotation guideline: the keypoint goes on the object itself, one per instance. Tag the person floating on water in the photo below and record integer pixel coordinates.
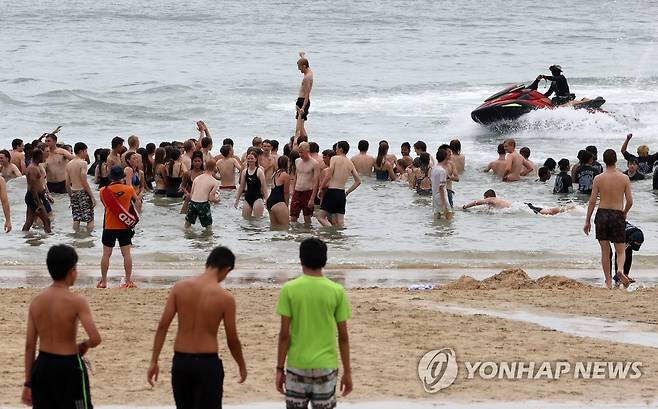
(559, 86)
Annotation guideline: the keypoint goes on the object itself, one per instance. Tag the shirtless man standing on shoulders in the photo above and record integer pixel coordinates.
(306, 185)
(612, 187)
(197, 375)
(515, 162)
(332, 209)
(227, 164)
(304, 100)
(82, 198)
(363, 162)
(56, 160)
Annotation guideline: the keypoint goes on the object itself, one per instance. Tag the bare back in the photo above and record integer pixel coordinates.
(76, 172)
(200, 308)
(363, 163)
(204, 187)
(55, 313)
(460, 162)
(342, 169)
(226, 168)
(498, 166)
(35, 179)
(612, 186)
(514, 166)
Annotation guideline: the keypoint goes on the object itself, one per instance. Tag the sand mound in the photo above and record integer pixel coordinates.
(559, 282)
(514, 279)
(463, 283)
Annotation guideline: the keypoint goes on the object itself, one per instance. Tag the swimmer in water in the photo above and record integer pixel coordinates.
(490, 200)
(499, 165)
(552, 211)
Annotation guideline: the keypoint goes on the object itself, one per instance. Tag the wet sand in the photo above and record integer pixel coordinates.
(390, 331)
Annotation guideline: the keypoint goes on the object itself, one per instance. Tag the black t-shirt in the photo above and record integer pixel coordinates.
(563, 183)
(636, 176)
(644, 163)
(585, 178)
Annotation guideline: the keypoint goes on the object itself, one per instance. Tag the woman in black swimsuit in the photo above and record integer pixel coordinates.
(277, 203)
(254, 187)
(175, 172)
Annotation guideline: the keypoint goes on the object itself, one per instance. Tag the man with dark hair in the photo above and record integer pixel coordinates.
(267, 160)
(634, 240)
(439, 176)
(206, 147)
(362, 161)
(612, 187)
(312, 309)
(586, 173)
(491, 200)
(118, 224)
(304, 99)
(37, 199)
(7, 169)
(457, 157)
(595, 152)
(117, 150)
(227, 164)
(559, 86)
(633, 172)
(197, 374)
(531, 168)
(82, 198)
(18, 155)
(58, 377)
(56, 159)
(563, 181)
(275, 149)
(405, 151)
(499, 165)
(421, 147)
(332, 208)
(544, 174)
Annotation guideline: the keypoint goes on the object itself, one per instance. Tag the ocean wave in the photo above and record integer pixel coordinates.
(7, 100)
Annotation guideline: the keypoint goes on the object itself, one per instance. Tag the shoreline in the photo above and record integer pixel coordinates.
(391, 329)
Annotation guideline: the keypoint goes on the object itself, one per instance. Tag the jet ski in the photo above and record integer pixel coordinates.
(517, 100)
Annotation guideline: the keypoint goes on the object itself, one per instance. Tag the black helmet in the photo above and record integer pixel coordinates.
(555, 68)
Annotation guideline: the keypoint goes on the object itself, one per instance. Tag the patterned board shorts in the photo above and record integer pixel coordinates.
(82, 207)
(200, 210)
(317, 386)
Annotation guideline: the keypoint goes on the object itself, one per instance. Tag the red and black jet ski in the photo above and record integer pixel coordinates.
(517, 100)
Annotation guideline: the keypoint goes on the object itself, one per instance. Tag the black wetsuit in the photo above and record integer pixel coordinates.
(560, 87)
(644, 163)
(636, 176)
(585, 177)
(630, 232)
(563, 183)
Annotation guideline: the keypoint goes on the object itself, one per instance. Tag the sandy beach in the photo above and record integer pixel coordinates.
(390, 330)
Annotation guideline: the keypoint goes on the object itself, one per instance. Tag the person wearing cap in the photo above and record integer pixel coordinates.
(634, 240)
(644, 161)
(559, 85)
(115, 228)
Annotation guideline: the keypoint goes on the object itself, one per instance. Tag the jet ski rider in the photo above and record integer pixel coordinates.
(559, 86)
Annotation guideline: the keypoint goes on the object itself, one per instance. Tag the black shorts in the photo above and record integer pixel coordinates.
(197, 380)
(334, 201)
(56, 187)
(610, 225)
(60, 381)
(29, 201)
(124, 236)
(299, 104)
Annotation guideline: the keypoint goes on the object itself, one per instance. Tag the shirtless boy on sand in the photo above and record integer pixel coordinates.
(332, 209)
(363, 162)
(304, 100)
(58, 377)
(82, 198)
(611, 187)
(204, 191)
(197, 374)
(516, 164)
(306, 185)
(227, 164)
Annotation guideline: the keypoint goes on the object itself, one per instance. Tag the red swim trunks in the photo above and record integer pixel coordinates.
(299, 203)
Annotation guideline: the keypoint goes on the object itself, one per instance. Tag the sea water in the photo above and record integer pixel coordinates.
(393, 70)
